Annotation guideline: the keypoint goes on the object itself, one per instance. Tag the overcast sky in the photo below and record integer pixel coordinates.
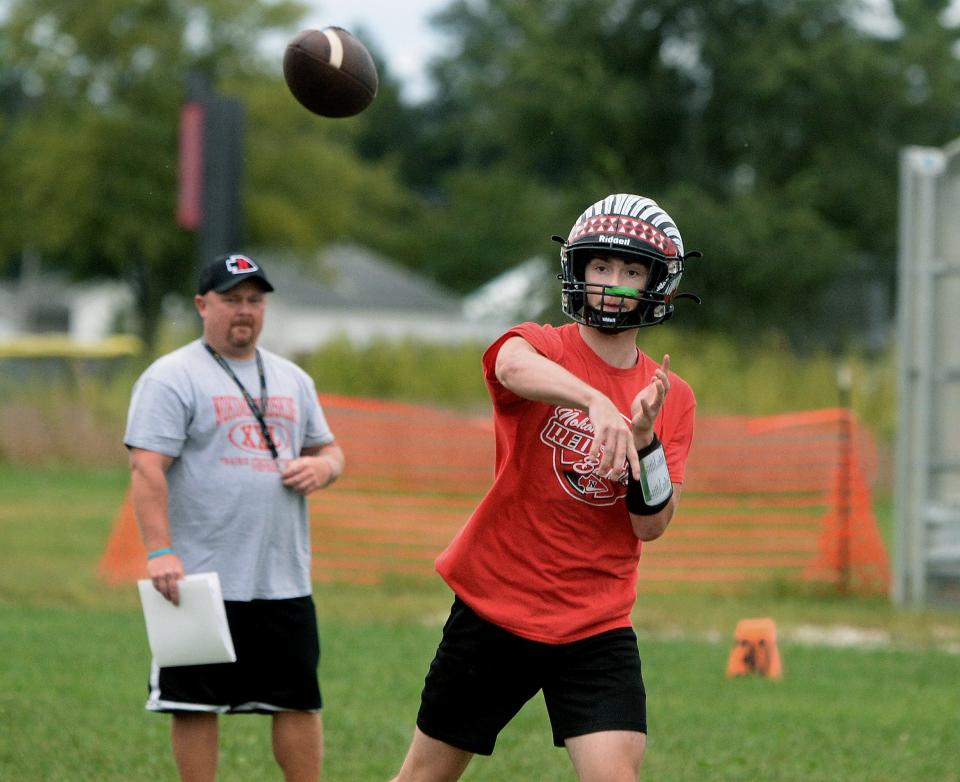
(399, 31)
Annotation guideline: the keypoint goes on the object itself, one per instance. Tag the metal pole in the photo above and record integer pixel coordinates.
(920, 171)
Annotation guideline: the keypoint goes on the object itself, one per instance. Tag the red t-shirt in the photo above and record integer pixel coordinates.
(549, 554)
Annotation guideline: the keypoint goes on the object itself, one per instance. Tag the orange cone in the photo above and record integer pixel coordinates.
(755, 649)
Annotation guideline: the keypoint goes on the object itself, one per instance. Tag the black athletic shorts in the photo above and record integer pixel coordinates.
(278, 650)
(482, 675)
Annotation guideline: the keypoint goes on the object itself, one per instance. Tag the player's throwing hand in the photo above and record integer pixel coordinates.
(612, 440)
(646, 405)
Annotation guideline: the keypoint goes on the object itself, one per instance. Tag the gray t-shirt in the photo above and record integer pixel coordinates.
(228, 510)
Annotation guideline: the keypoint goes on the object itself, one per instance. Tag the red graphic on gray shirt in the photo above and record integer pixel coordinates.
(245, 433)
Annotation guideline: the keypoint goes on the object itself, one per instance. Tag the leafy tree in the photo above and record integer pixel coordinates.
(492, 220)
(92, 152)
(307, 186)
(769, 128)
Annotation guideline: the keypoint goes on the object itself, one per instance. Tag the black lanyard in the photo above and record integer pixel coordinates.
(257, 410)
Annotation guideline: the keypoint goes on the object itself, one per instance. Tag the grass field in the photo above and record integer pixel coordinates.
(74, 652)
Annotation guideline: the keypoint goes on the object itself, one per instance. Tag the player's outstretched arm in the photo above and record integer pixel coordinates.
(650, 524)
(649, 528)
(533, 376)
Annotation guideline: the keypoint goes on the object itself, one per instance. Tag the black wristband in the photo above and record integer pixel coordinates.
(652, 493)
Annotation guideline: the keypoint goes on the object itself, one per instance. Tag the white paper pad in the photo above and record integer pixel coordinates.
(193, 633)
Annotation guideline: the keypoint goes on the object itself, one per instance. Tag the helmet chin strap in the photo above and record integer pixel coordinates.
(595, 319)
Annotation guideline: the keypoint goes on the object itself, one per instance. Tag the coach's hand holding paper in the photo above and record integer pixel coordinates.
(195, 632)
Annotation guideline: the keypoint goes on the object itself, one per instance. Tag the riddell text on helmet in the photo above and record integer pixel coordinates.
(613, 240)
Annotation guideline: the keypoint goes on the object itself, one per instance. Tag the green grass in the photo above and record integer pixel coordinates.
(75, 658)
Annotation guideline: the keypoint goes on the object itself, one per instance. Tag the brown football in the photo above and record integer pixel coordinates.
(330, 72)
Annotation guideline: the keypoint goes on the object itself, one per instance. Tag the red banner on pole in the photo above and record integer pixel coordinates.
(190, 167)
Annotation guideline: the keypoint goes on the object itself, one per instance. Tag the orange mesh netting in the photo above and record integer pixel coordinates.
(779, 497)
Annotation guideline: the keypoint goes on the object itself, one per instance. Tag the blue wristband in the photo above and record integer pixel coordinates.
(159, 553)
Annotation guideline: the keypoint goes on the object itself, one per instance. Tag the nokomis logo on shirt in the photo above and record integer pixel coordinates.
(569, 433)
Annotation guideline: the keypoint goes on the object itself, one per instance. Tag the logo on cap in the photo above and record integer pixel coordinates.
(240, 264)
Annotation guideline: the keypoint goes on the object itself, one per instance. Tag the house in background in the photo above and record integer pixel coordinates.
(344, 291)
(49, 305)
(350, 292)
(528, 291)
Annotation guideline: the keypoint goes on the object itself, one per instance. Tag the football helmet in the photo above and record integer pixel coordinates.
(633, 228)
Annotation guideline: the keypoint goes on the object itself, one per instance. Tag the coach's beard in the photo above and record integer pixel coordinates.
(244, 328)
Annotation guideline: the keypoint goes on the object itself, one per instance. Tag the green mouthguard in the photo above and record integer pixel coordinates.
(621, 290)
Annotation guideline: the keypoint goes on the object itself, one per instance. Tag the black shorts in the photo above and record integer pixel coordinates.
(482, 675)
(278, 650)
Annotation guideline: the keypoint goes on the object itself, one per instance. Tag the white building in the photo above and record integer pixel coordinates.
(350, 292)
(345, 291)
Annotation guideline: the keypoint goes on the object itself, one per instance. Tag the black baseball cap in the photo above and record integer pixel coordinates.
(222, 273)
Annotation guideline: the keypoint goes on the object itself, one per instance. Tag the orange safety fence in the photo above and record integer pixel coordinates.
(779, 497)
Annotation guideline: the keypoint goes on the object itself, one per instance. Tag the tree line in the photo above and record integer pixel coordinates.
(769, 129)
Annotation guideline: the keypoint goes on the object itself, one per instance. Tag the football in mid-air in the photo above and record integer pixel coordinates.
(330, 72)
